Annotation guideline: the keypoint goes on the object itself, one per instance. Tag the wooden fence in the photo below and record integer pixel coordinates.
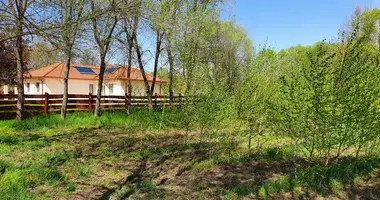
(52, 103)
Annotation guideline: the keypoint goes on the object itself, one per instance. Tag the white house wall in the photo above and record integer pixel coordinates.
(138, 88)
(33, 87)
(55, 86)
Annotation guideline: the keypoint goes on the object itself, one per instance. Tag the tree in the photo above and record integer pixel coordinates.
(43, 54)
(103, 28)
(16, 13)
(256, 93)
(8, 63)
(65, 19)
(88, 57)
(155, 24)
(129, 28)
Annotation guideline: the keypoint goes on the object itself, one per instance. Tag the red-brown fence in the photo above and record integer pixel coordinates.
(52, 103)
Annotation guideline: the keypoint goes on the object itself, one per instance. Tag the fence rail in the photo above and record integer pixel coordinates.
(51, 103)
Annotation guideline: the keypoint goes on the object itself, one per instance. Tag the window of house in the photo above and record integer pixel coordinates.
(110, 89)
(27, 87)
(37, 87)
(91, 88)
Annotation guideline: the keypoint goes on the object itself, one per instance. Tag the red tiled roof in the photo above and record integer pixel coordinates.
(57, 71)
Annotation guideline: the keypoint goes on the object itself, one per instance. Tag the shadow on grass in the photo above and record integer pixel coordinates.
(274, 178)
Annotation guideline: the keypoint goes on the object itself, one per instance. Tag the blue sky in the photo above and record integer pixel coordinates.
(286, 23)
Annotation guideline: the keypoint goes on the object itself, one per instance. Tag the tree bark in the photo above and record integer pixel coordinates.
(66, 86)
(141, 66)
(130, 37)
(19, 14)
(100, 85)
(156, 59)
(250, 135)
(171, 69)
(130, 46)
(20, 76)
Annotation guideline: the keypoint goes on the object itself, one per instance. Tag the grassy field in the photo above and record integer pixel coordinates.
(150, 156)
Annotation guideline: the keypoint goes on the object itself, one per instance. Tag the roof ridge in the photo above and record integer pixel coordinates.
(57, 64)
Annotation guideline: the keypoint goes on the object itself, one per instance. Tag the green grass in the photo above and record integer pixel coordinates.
(140, 119)
(326, 179)
(45, 157)
(35, 161)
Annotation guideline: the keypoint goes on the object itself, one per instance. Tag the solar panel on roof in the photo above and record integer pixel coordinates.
(85, 70)
(110, 70)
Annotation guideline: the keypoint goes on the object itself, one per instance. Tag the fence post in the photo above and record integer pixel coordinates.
(90, 102)
(46, 103)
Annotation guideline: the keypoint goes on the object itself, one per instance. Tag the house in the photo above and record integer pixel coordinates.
(83, 79)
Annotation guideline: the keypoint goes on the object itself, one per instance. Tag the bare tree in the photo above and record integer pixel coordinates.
(71, 11)
(103, 29)
(129, 28)
(155, 22)
(18, 10)
(169, 32)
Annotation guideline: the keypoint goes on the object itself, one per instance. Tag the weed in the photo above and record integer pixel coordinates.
(4, 165)
(83, 170)
(263, 191)
(207, 164)
(9, 139)
(147, 186)
(242, 190)
(71, 186)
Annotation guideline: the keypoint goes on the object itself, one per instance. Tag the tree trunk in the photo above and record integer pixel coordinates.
(328, 156)
(66, 88)
(142, 70)
(130, 37)
(296, 151)
(171, 70)
(129, 83)
(156, 59)
(20, 75)
(100, 85)
(250, 135)
(259, 133)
